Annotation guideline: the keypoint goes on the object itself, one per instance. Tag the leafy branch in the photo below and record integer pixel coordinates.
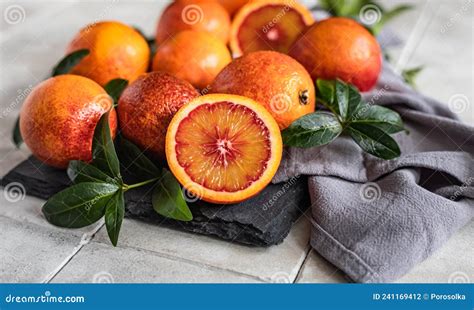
(98, 189)
(357, 8)
(370, 126)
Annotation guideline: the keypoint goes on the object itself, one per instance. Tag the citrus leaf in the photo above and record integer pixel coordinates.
(326, 94)
(313, 129)
(115, 88)
(104, 156)
(374, 140)
(79, 172)
(354, 101)
(134, 160)
(69, 61)
(326, 90)
(343, 8)
(342, 98)
(383, 118)
(410, 75)
(16, 135)
(114, 213)
(168, 199)
(79, 205)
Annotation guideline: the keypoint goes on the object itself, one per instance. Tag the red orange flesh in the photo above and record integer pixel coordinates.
(268, 25)
(224, 148)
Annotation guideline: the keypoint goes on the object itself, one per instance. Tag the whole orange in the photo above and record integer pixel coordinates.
(275, 80)
(199, 15)
(340, 48)
(147, 106)
(194, 56)
(58, 118)
(116, 51)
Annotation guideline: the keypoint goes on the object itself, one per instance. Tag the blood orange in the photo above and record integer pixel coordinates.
(223, 148)
(340, 48)
(268, 25)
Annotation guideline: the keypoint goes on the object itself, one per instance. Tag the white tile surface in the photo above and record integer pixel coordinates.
(97, 262)
(29, 253)
(264, 263)
(15, 204)
(318, 270)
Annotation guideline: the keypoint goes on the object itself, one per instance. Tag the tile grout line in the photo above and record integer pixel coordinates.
(191, 262)
(85, 239)
(300, 270)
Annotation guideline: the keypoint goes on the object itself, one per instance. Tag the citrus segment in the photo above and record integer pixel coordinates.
(268, 25)
(223, 148)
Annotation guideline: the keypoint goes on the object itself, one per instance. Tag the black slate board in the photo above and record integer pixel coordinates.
(263, 220)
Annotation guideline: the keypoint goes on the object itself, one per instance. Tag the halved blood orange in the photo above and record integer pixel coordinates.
(268, 25)
(223, 148)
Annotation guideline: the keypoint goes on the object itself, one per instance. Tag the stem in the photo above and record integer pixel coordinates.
(127, 187)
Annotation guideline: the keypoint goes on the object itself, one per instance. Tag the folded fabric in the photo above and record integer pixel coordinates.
(376, 219)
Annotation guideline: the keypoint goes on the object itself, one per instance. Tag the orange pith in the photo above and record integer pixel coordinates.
(268, 25)
(223, 148)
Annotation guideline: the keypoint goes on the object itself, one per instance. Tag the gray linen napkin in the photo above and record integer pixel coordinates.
(376, 219)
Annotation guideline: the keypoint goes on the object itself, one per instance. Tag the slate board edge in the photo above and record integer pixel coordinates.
(248, 234)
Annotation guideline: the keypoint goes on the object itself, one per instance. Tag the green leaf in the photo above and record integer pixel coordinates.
(340, 98)
(388, 16)
(374, 141)
(114, 213)
(135, 160)
(313, 129)
(343, 8)
(383, 118)
(115, 88)
(104, 156)
(69, 61)
(326, 94)
(79, 172)
(16, 135)
(410, 75)
(354, 101)
(79, 205)
(168, 199)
